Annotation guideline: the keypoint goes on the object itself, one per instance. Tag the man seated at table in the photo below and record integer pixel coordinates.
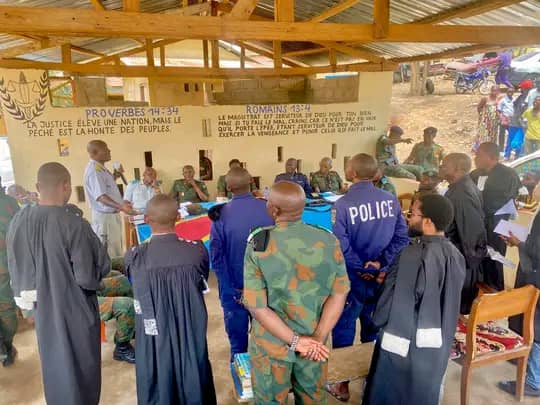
(326, 179)
(188, 189)
(139, 192)
(291, 174)
(222, 190)
(383, 182)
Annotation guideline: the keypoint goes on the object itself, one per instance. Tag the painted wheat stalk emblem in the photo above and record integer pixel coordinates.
(19, 98)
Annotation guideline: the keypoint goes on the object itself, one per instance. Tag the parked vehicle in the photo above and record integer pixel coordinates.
(471, 82)
(525, 67)
(471, 64)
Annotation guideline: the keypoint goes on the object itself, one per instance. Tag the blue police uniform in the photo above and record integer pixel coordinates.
(228, 238)
(370, 227)
(298, 178)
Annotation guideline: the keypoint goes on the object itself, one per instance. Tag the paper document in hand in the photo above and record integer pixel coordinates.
(508, 208)
(333, 197)
(494, 255)
(505, 227)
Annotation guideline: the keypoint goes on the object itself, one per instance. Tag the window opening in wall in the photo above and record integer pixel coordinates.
(79, 190)
(299, 165)
(334, 150)
(121, 189)
(280, 153)
(137, 173)
(196, 87)
(244, 165)
(186, 87)
(205, 165)
(148, 162)
(206, 128)
(142, 93)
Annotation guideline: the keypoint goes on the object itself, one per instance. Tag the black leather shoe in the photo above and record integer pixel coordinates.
(510, 387)
(10, 358)
(3, 351)
(124, 352)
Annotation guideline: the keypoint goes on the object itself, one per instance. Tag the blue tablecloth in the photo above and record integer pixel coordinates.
(319, 215)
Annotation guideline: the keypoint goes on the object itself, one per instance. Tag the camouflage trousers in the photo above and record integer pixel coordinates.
(8, 311)
(115, 301)
(273, 379)
(404, 171)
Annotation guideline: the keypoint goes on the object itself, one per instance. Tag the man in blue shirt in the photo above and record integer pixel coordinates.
(372, 231)
(231, 226)
(291, 174)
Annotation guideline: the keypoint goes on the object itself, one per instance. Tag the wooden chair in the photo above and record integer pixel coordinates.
(405, 201)
(492, 306)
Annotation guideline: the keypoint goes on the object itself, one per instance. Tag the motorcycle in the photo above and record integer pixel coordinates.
(470, 82)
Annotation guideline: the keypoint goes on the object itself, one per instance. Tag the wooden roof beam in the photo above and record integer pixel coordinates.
(268, 53)
(325, 15)
(354, 52)
(98, 5)
(461, 51)
(132, 5)
(381, 18)
(242, 10)
(468, 10)
(116, 56)
(117, 24)
(86, 51)
(199, 72)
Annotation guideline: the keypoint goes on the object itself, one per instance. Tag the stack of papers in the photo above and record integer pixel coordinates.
(331, 197)
(241, 372)
(505, 227)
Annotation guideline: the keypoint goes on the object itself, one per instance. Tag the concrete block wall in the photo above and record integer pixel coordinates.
(275, 90)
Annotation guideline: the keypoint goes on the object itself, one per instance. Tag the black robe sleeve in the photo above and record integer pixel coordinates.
(88, 256)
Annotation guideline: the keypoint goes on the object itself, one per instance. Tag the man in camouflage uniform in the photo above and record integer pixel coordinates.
(386, 156)
(222, 190)
(326, 179)
(188, 189)
(8, 310)
(115, 300)
(383, 182)
(427, 154)
(295, 285)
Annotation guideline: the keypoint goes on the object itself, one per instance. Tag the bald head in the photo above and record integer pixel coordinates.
(98, 151)
(238, 180)
(53, 184)
(454, 166)
(161, 212)
(286, 201)
(361, 167)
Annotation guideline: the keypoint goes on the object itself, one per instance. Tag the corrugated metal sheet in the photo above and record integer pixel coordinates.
(401, 11)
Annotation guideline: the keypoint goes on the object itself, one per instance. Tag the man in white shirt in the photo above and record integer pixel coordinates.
(104, 198)
(533, 94)
(139, 192)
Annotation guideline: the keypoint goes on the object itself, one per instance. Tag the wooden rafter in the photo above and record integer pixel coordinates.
(86, 51)
(132, 5)
(325, 15)
(91, 23)
(468, 10)
(283, 12)
(261, 50)
(461, 51)
(354, 52)
(116, 56)
(206, 73)
(66, 53)
(381, 18)
(242, 10)
(149, 53)
(98, 5)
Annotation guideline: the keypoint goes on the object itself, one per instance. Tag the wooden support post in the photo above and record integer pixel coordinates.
(214, 44)
(205, 53)
(381, 18)
(149, 53)
(132, 5)
(242, 57)
(162, 60)
(332, 57)
(66, 53)
(283, 11)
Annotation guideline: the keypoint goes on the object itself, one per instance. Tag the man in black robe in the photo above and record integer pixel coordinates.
(528, 273)
(499, 185)
(467, 231)
(56, 263)
(417, 311)
(169, 277)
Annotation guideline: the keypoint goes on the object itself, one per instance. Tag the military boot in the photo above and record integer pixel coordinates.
(124, 352)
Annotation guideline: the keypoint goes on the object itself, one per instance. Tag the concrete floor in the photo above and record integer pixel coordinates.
(21, 384)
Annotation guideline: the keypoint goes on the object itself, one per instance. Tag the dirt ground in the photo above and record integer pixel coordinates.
(454, 115)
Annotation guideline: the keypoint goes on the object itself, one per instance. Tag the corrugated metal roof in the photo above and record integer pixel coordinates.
(526, 13)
